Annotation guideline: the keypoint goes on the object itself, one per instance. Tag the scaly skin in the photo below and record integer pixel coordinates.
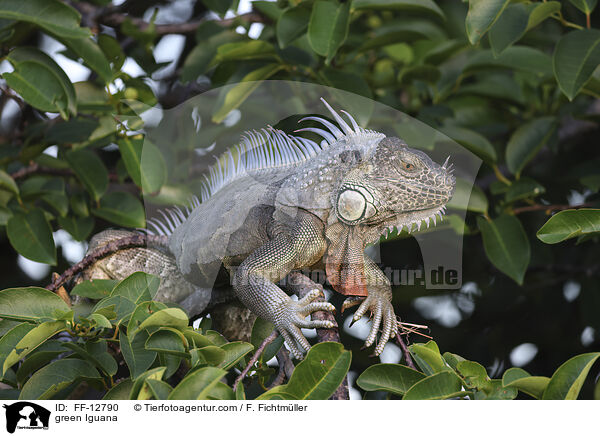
(268, 222)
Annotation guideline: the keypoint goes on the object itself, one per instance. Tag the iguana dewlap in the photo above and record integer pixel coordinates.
(278, 203)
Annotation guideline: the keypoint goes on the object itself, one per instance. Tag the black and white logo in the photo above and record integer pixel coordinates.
(26, 415)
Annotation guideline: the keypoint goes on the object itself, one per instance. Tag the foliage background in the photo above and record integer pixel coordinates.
(516, 82)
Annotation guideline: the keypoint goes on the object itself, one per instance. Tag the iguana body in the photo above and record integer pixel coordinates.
(279, 203)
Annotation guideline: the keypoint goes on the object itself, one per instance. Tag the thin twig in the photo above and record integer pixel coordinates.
(255, 357)
(116, 19)
(406, 352)
(135, 240)
(548, 207)
(35, 168)
(286, 368)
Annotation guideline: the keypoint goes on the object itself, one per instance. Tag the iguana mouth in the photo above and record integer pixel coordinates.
(411, 219)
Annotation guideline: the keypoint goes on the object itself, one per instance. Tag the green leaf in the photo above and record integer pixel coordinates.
(33, 339)
(292, 23)
(221, 392)
(516, 20)
(576, 56)
(137, 391)
(472, 141)
(527, 141)
(166, 341)
(112, 50)
(267, 8)
(119, 391)
(495, 391)
(585, 6)
(138, 287)
(523, 381)
(474, 374)
(170, 317)
(509, 28)
(94, 289)
(9, 340)
(115, 307)
(100, 320)
(90, 171)
(31, 304)
(7, 183)
(136, 356)
(51, 15)
(567, 380)
(234, 352)
(428, 357)
(31, 235)
(389, 377)
(518, 58)
(198, 385)
(277, 393)
(142, 312)
(210, 355)
(241, 91)
(51, 379)
(506, 245)
(92, 55)
(438, 386)
(123, 209)
(320, 373)
(481, 16)
(144, 162)
(43, 355)
(209, 38)
(195, 338)
(96, 353)
(523, 188)
(40, 81)
(453, 359)
(159, 389)
(78, 227)
(424, 6)
(568, 224)
(244, 50)
(328, 27)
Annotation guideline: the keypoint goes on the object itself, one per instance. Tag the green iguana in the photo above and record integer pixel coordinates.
(278, 203)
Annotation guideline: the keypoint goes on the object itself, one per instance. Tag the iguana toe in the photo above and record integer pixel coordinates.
(292, 318)
(383, 318)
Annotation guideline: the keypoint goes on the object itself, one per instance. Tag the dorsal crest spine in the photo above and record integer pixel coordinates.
(266, 150)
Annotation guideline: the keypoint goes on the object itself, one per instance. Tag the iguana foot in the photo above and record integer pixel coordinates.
(382, 316)
(292, 318)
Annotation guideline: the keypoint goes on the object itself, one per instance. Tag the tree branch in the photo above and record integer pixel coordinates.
(255, 357)
(302, 285)
(114, 16)
(548, 207)
(35, 168)
(135, 240)
(116, 19)
(405, 352)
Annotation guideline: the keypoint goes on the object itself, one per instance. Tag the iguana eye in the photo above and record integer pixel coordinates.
(352, 206)
(408, 166)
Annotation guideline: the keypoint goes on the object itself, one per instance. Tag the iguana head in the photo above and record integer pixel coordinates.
(396, 187)
(384, 186)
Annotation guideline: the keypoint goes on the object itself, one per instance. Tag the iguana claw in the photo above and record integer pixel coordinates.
(293, 317)
(382, 315)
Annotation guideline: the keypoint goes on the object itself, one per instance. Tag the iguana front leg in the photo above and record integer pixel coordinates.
(255, 278)
(379, 303)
